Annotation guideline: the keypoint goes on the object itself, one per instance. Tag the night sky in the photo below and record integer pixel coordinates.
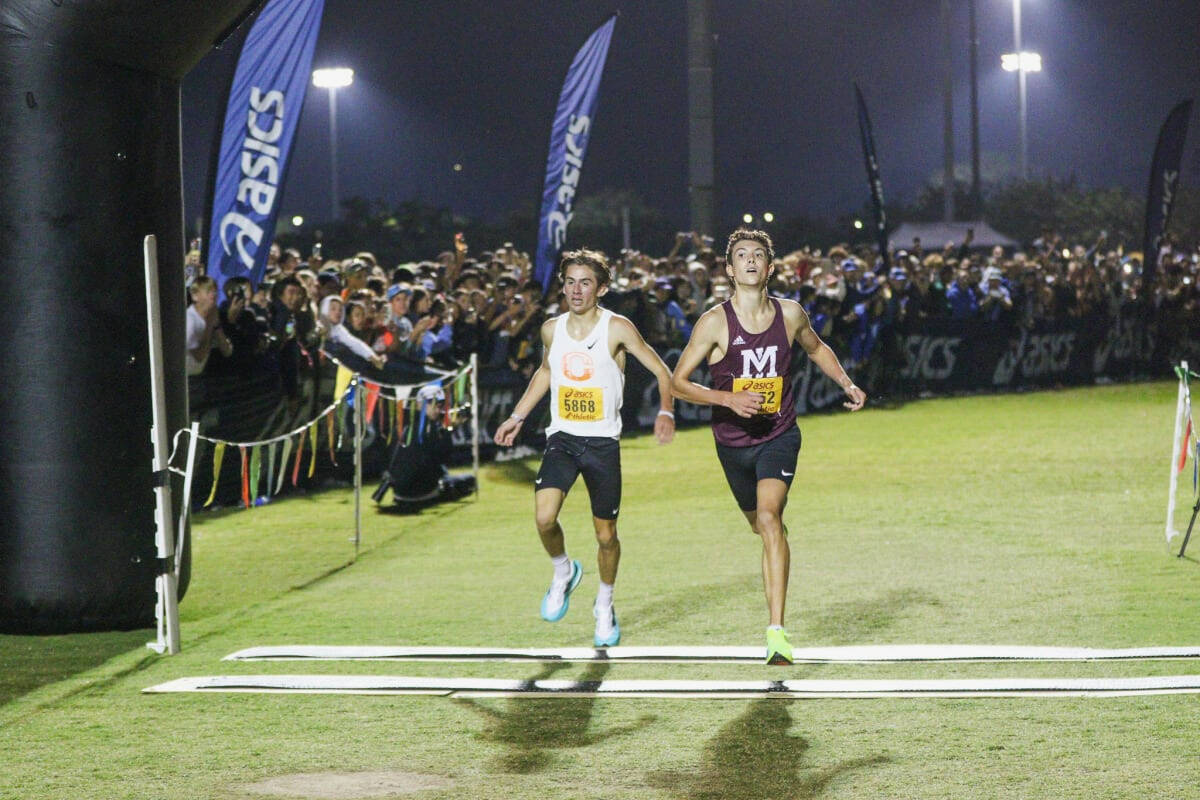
(439, 83)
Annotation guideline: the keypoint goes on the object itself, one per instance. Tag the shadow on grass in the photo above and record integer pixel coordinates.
(518, 471)
(31, 662)
(697, 599)
(531, 728)
(855, 620)
(755, 756)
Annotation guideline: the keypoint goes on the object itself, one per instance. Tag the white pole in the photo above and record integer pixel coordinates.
(1176, 447)
(359, 418)
(185, 507)
(333, 160)
(164, 539)
(1024, 163)
(475, 419)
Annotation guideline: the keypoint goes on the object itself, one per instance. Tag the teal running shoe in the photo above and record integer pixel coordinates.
(608, 630)
(558, 596)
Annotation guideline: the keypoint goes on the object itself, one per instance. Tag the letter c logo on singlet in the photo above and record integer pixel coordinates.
(578, 366)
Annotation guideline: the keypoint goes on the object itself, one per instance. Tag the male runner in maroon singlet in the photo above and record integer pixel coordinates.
(747, 341)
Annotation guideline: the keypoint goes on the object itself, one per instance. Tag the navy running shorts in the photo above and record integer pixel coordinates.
(597, 458)
(746, 466)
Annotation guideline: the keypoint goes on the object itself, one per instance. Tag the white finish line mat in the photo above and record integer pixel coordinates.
(857, 654)
(493, 687)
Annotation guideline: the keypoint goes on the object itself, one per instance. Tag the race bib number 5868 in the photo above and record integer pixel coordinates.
(581, 403)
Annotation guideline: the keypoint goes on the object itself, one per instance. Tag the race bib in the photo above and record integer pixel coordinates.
(770, 388)
(581, 403)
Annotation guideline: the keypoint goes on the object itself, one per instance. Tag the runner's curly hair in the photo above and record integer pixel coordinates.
(748, 235)
(593, 259)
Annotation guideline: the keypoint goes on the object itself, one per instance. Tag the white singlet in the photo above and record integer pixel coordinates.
(586, 384)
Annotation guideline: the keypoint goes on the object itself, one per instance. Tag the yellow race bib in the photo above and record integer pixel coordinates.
(581, 403)
(770, 388)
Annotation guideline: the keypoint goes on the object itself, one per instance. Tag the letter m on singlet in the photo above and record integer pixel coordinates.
(759, 361)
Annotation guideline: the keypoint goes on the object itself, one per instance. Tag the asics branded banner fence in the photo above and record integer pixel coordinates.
(265, 101)
(568, 144)
(1164, 182)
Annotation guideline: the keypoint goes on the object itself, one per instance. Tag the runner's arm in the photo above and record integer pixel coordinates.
(823, 356)
(539, 384)
(629, 338)
(704, 338)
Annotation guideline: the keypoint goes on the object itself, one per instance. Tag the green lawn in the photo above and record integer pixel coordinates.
(1018, 519)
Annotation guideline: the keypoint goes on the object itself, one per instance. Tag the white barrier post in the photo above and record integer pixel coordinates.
(1176, 447)
(185, 507)
(475, 419)
(166, 584)
(359, 418)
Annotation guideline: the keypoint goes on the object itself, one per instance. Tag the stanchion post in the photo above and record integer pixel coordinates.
(1176, 448)
(359, 421)
(185, 506)
(475, 419)
(164, 539)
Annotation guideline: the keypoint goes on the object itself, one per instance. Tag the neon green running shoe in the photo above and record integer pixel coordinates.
(779, 649)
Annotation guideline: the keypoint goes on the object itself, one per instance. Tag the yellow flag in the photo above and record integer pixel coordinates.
(218, 456)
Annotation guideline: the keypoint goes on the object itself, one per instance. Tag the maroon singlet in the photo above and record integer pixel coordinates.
(761, 356)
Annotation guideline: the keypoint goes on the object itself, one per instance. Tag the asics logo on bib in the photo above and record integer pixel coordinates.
(759, 361)
(578, 366)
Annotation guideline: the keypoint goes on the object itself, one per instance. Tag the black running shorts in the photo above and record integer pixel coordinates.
(746, 466)
(598, 458)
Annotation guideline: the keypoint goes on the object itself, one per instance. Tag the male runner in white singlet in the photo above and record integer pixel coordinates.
(583, 368)
(747, 341)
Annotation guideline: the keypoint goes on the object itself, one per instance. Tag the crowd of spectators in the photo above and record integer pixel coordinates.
(440, 312)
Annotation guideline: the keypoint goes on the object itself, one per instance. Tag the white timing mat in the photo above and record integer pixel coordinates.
(857, 654)
(492, 687)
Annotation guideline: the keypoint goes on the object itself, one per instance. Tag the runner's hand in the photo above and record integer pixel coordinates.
(507, 432)
(745, 404)
(664, 429)
(857, 397)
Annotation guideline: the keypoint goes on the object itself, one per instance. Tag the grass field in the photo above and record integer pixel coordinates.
(1015, 519)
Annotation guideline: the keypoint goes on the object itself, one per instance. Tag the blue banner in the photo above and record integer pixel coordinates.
(568, 143)
(876, 183)
(264, 107)
(1164, 181)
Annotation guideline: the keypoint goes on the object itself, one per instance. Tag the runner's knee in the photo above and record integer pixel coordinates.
(546, 521)
(768, 522)
(606, 535)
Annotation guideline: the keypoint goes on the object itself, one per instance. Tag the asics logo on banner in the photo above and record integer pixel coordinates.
(259, 186)
(759, 361)
(578, 366)
(558, 219)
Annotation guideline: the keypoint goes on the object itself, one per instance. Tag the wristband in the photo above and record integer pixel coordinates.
(662, 412)
(517, 417)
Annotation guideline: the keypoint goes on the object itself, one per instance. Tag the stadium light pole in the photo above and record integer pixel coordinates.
(333, 78)
(1022, 63)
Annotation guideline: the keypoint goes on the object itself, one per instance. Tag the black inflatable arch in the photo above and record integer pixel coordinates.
(89, 164)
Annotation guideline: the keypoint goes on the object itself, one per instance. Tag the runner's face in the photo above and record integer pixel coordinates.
(749, 263)
(581, 288)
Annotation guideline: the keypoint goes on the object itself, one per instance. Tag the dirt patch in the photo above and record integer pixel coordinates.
(348, 785)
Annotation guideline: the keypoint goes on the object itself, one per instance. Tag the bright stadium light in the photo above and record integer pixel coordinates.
(858, 224)
(297, 221)
(1029, 62)
(333, 78)
(768, 217)
(747, 218)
